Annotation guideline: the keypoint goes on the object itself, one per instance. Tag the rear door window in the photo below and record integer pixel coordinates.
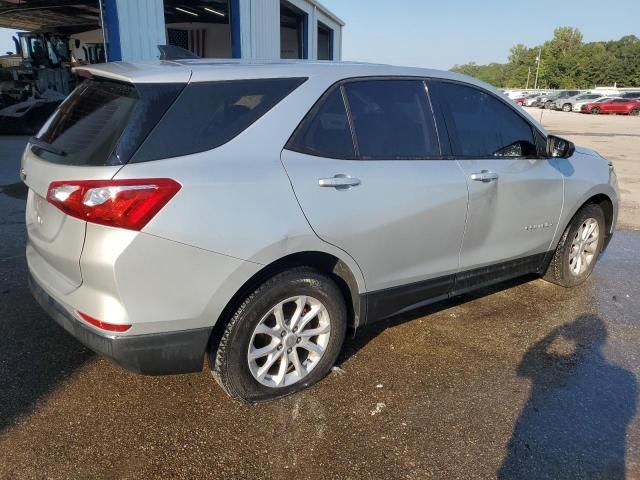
(209, 114)
(325, 132)
(392, 119)
(481, 126)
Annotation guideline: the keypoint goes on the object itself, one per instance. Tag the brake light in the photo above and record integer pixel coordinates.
(112, 327)
(129, 204)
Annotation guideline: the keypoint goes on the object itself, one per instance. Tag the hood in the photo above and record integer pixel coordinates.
(587, 151)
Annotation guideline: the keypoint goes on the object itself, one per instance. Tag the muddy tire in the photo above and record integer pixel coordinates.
(578, 248)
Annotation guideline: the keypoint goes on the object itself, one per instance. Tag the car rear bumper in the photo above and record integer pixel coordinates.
(150, 354)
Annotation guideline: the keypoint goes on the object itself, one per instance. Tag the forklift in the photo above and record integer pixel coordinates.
(33, 89)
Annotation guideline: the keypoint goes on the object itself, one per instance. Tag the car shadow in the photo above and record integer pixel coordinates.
(575, 421)
(15, 190)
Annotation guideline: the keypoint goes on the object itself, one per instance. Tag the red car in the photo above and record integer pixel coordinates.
(519, 101)
(623, 106)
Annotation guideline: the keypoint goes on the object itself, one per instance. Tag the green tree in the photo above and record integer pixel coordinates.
(566, 62)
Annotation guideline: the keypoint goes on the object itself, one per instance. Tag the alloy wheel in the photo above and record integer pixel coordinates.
(289, 341)
(584, 246)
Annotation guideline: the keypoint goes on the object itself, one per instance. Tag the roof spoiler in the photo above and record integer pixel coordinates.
(143, 72)
(173, 52)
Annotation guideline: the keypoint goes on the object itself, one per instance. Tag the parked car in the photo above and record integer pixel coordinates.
(547, 97)
(532, 99)
(522, 100)
(549, 101)
(630, 95)
(566, 104)
(620, 106)
(577, 106)
(539, 100)
(254, 212)
(514, 94)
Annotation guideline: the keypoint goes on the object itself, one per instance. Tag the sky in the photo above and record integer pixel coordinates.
(440, 34)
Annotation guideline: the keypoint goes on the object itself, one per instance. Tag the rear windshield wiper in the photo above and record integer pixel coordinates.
(41, 144)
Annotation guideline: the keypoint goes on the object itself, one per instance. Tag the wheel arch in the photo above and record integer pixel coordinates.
(605, 202)
(324, 262)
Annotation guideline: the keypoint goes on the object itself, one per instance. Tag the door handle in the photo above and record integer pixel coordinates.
(339, 181)
(484, 176)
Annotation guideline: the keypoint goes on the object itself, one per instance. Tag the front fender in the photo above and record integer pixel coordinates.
(576, 202)
(586, 175)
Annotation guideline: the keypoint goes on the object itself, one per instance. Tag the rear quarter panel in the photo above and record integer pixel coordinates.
(237, 199)
(236, 202)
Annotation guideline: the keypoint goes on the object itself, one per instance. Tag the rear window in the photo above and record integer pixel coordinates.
(392, 119)
(209, 114)
(326, 131)
(88, 124)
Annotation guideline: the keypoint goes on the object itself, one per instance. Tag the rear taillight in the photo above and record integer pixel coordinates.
(111, 327)
(127, 204)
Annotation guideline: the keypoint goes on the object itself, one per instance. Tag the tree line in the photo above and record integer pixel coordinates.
(565, 62)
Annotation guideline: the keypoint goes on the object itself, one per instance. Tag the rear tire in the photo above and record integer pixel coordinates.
(634, 112)
(262, 356)
(577, 252)
(566, 107)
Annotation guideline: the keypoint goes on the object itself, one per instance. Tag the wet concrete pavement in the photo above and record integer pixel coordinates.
(527, 380)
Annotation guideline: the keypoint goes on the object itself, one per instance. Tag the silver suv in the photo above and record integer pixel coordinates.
(567, 104)
(255, 212)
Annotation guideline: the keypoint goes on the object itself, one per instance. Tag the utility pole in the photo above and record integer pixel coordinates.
(538, 59)
(528, 75)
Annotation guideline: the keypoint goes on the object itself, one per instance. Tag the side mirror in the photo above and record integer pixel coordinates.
(559, 147)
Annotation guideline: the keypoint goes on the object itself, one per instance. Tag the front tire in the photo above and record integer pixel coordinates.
(578, 249)
(595, 111)
(284, 337)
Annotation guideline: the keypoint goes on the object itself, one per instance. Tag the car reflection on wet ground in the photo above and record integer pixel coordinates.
(526, 380)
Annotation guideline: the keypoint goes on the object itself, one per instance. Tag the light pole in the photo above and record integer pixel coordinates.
(538, 59)
(528, 75)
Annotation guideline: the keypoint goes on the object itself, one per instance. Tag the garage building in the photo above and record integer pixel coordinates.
(131, 30)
